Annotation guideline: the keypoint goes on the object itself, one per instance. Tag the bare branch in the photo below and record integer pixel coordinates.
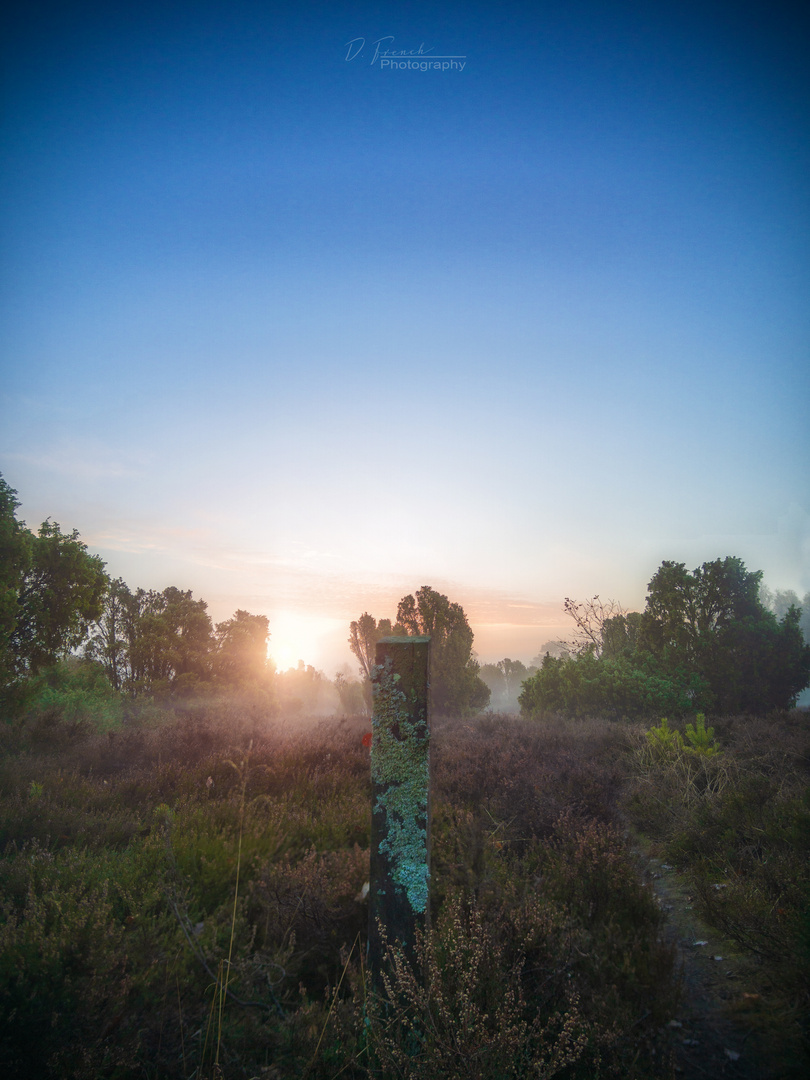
(590, 617)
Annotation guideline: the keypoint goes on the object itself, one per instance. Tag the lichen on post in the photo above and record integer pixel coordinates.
(400, 771)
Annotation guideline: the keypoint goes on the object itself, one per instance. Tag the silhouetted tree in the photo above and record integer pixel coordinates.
(514, 672)
(304, 689)
(712, 621)
(454, 680)
(364, 633)
(620, 634)
(353, 701)
(558, 649)
(504, 680)
(590, 617)
(240, 655)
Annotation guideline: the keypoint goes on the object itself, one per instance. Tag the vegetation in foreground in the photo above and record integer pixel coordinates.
(183, 896)
(729, 806)
(181, 879)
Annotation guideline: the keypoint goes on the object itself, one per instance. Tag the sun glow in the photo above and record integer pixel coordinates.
(296, 636)
(284, 656)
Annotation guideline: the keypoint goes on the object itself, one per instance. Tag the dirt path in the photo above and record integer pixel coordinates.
(706, 1040)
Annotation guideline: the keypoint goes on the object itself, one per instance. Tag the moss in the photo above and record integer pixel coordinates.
(400, 770)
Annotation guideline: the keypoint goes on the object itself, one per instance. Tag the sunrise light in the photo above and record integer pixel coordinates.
(300, 635)
(473, 337)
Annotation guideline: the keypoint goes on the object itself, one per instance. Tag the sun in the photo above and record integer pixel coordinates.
(284, 656)
(302, 634)
(291, 639)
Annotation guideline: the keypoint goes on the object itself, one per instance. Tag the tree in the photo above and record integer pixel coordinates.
(761, 663)
(713, 622)
(240, 655)
(364, 634)
(170, 638)
(558, 649)
(705, 641)
(687, 610)
(493, 677)
(110, 637)
(514, 672)
(15, 560)
(147, 640)
(779, 602)
(590, 617)
(61, 593)
(454, 681)
(351, 693)
(504, 681)
(620, 634)
(304, 690)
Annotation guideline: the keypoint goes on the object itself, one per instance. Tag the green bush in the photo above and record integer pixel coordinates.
(634, 685)
(74, 697)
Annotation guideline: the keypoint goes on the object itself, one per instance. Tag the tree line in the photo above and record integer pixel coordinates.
(706, 641)
(712, 639)
(56, 597)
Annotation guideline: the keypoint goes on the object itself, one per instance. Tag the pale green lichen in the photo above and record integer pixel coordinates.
(400, 769)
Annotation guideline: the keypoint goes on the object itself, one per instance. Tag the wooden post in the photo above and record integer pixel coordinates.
(400, 810)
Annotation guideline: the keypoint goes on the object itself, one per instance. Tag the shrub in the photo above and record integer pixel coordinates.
(632, 685)
(473, 1004)
(73, 698)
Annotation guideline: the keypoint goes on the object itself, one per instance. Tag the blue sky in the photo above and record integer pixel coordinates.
(303, 333)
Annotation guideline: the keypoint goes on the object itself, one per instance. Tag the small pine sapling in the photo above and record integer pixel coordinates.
(664, 740)
(701, 739)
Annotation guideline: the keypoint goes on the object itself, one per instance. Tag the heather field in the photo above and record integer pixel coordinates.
(182, 896)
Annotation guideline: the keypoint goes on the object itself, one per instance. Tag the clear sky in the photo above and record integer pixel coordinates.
(302, 330)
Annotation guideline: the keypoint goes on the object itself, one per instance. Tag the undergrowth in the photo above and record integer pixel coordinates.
(732, 811)
(127, 949)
